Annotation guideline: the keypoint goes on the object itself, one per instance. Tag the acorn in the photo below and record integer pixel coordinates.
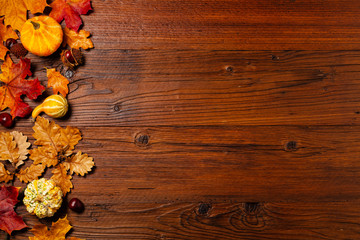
(18, 50)
(72, 58)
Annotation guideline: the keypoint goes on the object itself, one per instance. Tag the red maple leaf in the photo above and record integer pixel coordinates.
(70, 10)
(15, 85)
(9, 220)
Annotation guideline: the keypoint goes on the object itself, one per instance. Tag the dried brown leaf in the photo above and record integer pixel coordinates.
(70, 136)
(58, 231)
(5, 175)
(8, 149)
(22, 145)
(62, 179)
(80, 163)
(30, 173)
(47, 133)
(44, 155)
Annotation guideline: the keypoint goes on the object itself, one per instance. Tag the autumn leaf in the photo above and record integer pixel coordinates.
(55, 150)
(58, 82)
(8, 149)
(15, 85)
(13, 147)
(6, 32)
(47, 133)
(62, 179)
(9, 220)
(70, 10)
(77, 39)
(30, 173)
(15, 11)
(70, 136)
(44, 155)
(22, 147)
(5, 175)
(58, 231)
(79, 163)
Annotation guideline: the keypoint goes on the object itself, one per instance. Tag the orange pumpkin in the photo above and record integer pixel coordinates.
(41, 35)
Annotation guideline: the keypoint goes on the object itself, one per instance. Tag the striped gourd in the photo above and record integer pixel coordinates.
(41, 35)
(55, 106)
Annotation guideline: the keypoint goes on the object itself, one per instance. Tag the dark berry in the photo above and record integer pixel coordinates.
(10, 42)
(70, 57)
(6, 120)
(76, 205)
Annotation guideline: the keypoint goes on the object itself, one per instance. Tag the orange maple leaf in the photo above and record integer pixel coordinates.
(77, 39)
(15, 85)
(58, 82)
(58, 230)
(70, 10)
(6, 32)
(15, 11)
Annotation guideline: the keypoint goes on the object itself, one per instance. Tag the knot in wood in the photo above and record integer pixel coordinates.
(117, 107)
(204, 208)
(274, 57)
(229, 69)
(142, 139)
(291, 146)
(251, 208)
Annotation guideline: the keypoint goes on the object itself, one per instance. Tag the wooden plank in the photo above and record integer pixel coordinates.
(161, 87)
(254, 163)
(225, 24)
(113, 219)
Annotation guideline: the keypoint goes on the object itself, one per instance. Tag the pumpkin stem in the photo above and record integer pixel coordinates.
(36, 25)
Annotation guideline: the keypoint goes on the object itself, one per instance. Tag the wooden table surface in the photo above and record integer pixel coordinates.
(216, 119)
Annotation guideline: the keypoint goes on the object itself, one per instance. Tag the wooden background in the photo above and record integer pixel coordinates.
(216, 119)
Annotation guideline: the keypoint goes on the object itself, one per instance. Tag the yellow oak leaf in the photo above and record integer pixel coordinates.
(62, 179)
(70, 136)
(47, 134)
(77, 39)
(79, 163)
(45, 156)
(58, 231)
(30, 173)
(6, 32)
(15, 11)
(22, 147)
(58, 82)
(8, 149)
(5, 175)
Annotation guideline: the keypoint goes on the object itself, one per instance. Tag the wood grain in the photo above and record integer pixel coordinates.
(247, 164)
(188, 87)
(113, 219)
(215, 120)
(226, 25)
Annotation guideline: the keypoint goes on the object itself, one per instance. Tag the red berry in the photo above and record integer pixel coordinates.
(6, 120)
(10, 42)
(69, 57)
(76, 205)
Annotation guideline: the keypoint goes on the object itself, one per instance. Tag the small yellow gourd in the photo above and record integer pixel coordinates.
(42, 198)
(55, 106)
